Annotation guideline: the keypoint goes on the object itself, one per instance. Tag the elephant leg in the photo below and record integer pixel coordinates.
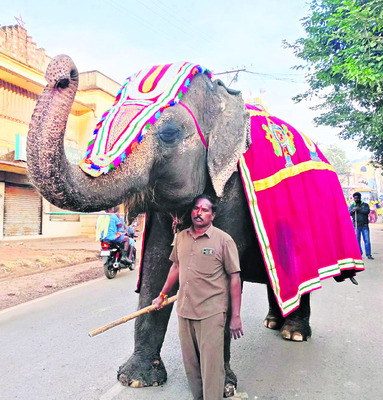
(145, 367)
(274, 318)
(297, 324)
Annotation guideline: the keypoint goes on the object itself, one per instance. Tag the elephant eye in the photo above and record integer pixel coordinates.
(169, 133)
(73, 74)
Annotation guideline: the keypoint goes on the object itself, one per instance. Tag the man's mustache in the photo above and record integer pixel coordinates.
(198, 217)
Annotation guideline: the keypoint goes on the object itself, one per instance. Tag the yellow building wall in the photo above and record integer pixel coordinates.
(22, 69)
(364, 178)
(2, 192)
(88, 225)
(58, 228)
(7, 141)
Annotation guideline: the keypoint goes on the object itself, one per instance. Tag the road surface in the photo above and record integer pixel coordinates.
(46, 352)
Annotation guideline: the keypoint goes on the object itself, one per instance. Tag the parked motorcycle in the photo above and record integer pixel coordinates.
(111, 253)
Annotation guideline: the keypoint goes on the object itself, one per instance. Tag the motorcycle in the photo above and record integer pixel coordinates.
(111, 253)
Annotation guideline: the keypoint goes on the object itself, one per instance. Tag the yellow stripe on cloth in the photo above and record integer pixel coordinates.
(256, 113)
(148, 85)
(278, 177)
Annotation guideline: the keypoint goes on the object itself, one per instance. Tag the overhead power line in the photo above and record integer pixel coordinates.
(275, 76)
(230, 72)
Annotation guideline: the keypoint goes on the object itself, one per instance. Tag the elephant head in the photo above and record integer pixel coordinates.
(169, 167)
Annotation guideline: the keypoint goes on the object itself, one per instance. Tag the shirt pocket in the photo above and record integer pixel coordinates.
(207, 262)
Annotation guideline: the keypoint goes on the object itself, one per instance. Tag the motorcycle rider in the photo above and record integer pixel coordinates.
(132, 242)
(115, 231)
(129, 232)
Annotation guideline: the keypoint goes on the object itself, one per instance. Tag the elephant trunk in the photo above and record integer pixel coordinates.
(60, 182)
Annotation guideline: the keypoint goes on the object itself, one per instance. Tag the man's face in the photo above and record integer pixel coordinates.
(202, 214)
(357, 198)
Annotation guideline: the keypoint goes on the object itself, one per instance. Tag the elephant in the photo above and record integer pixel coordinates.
(169, 168)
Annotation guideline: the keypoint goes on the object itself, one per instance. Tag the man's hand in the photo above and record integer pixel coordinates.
(170, 281)
(158, 302)
(236, 330)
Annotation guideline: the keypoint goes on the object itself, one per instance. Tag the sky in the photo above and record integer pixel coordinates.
(121, 37)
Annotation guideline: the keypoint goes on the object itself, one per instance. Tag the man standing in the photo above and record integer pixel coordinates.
(359, 211)
(206, 264)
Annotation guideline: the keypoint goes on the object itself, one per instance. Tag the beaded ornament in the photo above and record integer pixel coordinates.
(138, 105)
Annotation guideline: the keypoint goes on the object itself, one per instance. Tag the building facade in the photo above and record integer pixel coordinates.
(23, 212)
(363, 177)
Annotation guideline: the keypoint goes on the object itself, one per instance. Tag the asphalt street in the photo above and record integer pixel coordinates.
(46, 352)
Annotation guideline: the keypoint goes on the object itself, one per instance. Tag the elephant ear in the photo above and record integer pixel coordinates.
(229, 137)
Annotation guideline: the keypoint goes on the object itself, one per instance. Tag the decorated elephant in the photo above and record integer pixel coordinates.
(172, 134)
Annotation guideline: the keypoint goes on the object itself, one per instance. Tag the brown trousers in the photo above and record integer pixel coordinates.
(202, 352)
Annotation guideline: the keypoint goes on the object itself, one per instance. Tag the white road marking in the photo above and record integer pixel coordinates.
(112, 392)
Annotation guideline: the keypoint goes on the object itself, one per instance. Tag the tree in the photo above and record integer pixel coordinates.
(339, 161)
(343, 52)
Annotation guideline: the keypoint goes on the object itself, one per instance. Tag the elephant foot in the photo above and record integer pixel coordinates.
(296, 330)
(139, 371)
(273, 321)
(230, 381)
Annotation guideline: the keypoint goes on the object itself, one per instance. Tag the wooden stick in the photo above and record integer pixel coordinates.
(136, 314)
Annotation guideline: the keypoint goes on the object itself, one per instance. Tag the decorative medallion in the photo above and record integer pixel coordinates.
(281, 139)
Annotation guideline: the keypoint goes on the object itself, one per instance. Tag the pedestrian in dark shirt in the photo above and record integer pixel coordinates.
(359, 211)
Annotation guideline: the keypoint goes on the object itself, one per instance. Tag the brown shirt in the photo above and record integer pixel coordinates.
(205, 264)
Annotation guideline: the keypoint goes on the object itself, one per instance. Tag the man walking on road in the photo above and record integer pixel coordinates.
(359, 211)
(206, 264)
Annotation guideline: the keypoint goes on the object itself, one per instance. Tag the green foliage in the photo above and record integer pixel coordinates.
(343, 52)
(338, 159)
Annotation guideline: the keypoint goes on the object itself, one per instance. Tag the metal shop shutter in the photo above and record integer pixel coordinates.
(22, 211)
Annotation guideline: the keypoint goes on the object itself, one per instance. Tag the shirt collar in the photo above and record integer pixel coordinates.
(208, 233)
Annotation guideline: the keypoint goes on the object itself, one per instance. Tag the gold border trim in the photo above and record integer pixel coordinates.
(278, 177)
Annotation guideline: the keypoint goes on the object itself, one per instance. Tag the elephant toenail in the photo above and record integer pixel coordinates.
(297, 337)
